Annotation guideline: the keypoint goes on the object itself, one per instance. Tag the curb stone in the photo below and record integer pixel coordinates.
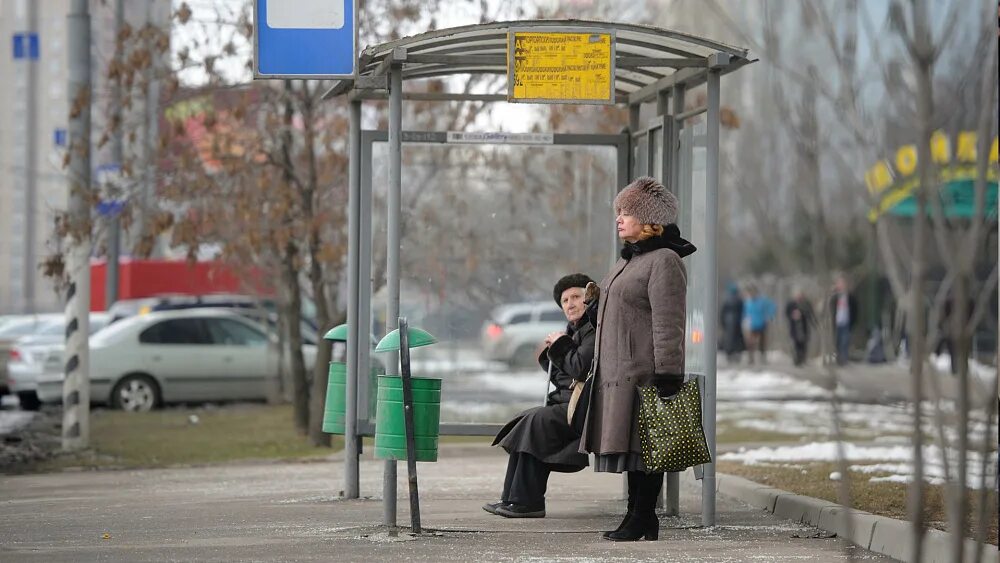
(880, 534)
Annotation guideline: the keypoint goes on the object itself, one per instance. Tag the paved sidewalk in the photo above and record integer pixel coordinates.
(291, 511)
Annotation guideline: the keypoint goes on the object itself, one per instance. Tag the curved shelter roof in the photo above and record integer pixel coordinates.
(647, 59)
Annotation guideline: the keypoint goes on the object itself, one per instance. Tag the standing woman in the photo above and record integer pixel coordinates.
(639, 341)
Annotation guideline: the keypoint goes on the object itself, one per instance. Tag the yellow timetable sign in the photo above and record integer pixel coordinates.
(561, 67)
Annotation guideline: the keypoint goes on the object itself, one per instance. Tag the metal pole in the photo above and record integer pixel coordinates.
(76, 387)
(712, 294)
(117, 155)
(411, 447)
(354, 337)
(392, 270)
(365, 277)
(31, 163)
(666, 107)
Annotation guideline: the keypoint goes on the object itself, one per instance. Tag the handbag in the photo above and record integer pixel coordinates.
(670, 430)
(579, 404)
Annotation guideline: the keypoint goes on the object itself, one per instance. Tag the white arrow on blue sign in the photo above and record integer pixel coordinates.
(305, 38)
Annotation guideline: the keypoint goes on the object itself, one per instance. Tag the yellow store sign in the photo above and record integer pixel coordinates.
(556, 67)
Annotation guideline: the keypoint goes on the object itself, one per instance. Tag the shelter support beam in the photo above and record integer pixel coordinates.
(392, 266)
(351, 476)
(712, 294)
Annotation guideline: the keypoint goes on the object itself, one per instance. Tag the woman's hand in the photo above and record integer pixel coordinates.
(553, 337)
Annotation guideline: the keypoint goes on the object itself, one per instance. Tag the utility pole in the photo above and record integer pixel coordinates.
(31, 160)
(117, 156)
(76, 386)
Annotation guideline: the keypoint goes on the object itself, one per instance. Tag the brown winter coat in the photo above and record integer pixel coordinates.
(640, 332)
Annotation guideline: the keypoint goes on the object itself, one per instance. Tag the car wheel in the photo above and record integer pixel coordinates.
(29, 400)
(136, 393)
(524, 356)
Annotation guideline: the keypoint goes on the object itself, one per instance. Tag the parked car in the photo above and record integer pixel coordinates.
(26, 357)
(14, 328)
(259, 309)
(514, 332)
(193, 355)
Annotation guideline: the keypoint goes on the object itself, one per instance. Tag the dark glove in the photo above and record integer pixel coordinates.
(667, 384)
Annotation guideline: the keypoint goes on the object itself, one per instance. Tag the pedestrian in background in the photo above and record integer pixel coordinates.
(758, 310)
(731, 319)
(640, 341)
(800, 322)
(845, 311)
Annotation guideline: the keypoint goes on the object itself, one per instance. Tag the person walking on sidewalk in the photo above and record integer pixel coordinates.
(540, 440)
(759, 310)
(640, 340)
(731, 320)
(800, 322)
(845, 310)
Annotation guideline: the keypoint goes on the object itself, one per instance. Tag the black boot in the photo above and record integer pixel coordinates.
(632, 478)
(644, 523)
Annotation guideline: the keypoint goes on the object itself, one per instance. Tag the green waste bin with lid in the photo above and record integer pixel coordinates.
(335, 411)
(390, 426)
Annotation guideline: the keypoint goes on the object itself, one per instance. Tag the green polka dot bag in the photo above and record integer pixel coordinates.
(670, 429)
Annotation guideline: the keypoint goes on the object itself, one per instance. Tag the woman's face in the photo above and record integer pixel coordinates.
(629, 228)
(572, 303)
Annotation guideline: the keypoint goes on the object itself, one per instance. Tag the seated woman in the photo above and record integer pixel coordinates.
(540, 440)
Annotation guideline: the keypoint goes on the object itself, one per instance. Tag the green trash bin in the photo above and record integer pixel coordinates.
(336, 397)
(335, 410)
(390, 428)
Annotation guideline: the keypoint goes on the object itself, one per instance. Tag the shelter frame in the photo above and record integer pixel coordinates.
(650, 65)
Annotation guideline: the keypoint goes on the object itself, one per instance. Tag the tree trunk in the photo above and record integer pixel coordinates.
(300, 388)
(960, 358)
(321, 378)
(290, 280)
(922, 56)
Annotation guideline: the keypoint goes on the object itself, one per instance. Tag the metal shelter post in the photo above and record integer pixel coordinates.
(712, 281)
(668, 108)
(392, 268)
(354, 336)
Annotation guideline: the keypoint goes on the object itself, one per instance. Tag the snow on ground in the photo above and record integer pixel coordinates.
(735, 384)
(11, 421)
(896, 460)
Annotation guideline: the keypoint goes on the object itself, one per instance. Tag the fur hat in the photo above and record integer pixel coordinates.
(566, 282)
(648, 201)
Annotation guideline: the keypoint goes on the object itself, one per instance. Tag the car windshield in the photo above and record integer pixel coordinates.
(57, 326)
(111, 332)
(20, 327)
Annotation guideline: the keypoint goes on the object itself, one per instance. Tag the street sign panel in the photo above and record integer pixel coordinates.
(551, 66)
(305, 38)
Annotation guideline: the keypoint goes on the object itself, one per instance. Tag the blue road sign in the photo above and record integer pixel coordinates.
(59, 137)
(305, 38)
(110, 207)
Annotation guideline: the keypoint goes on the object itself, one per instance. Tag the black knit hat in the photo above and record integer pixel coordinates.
(566, 282)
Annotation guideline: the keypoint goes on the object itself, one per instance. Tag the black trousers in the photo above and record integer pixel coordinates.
(526, 481)
(801, 347)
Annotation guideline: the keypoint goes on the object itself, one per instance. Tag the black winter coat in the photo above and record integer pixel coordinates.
(544, 432)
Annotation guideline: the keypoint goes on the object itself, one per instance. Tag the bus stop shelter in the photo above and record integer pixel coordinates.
(650, 71)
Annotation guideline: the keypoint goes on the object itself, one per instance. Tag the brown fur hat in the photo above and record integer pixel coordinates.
(648, 201)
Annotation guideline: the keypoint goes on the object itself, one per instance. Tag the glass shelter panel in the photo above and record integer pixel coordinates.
(693, 195)
(487, 230)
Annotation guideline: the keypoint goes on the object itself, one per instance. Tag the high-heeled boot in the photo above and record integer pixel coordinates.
(632, 478)
(644, 523)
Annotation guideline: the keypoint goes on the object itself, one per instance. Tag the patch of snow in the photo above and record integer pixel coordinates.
(827, 451)
(750, 384)
(11, 421)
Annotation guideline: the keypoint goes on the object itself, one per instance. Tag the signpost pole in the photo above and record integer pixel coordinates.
(411, 448)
